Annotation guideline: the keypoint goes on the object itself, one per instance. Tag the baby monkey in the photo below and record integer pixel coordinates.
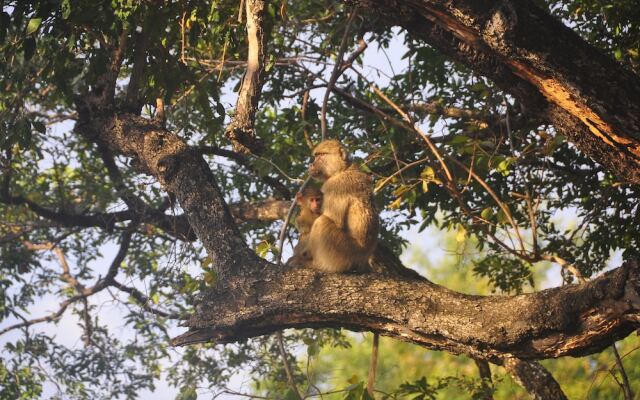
(310, 203)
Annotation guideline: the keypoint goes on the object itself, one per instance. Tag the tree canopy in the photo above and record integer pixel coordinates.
(151, 150)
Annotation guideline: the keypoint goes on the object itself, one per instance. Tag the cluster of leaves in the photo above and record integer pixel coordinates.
(611, 25)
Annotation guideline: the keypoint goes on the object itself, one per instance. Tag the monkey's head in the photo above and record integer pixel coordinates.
(311, 198)
(330, 157)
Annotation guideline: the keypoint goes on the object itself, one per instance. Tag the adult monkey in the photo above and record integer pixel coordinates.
(344, 236)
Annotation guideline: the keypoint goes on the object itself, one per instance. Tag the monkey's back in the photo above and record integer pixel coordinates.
(348, 196)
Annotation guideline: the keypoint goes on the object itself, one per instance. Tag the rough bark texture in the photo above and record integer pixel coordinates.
(485, 374)
(561, 79)
(181, 171)
(241, 131)
(535, 379)
(572, 320)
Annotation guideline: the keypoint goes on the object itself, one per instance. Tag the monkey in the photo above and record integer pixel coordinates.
(310, 203)
(344, 236)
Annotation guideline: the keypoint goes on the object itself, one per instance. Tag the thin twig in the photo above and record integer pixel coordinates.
(335, 74)
(529, 201)
(285, 224)
(182, 38)
(274, 165)
(241, 8)
(626, 388)
(287, 367)
(303, 115)
(496, 198)
(373, 364)
(564, 264)
(382, 184)
(424, 136)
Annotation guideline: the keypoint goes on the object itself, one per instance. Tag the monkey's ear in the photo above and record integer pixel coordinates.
(299, 198)
(344, 154)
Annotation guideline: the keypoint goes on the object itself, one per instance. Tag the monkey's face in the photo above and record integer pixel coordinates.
(315, 204)
(329, 159)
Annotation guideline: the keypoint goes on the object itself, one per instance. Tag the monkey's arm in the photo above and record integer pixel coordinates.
(336, 209)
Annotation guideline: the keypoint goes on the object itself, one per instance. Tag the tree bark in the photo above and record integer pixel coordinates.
(535, 379)
(241, 130)
(559, 77)
(181, 171)
(485, 374)
(572, 320)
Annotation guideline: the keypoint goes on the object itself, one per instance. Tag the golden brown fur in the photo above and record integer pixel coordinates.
(310, 203)
(345, 235)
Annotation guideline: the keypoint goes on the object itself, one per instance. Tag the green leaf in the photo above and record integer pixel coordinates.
(618, 54)
(39, 126)
(33, 25)
(210, 277)
(313, 350)
(428, 174)
(66, 9)
(263, 248)
(187, 393)
(23, 131)
(487, 213)
(221, 112)
(503, 167)
(502, 217)
(459, 139)
(291, 395)
(270, 63)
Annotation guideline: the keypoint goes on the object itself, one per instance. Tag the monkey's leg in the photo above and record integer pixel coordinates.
(331, 248)
(301, 254)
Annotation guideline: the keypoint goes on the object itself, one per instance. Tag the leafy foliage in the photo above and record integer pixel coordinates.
(513, 192)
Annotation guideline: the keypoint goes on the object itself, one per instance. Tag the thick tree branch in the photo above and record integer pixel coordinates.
(571, 320)
(260, 211)
(181, 171)
(241, 130)
(546, 65)
(178, 226)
